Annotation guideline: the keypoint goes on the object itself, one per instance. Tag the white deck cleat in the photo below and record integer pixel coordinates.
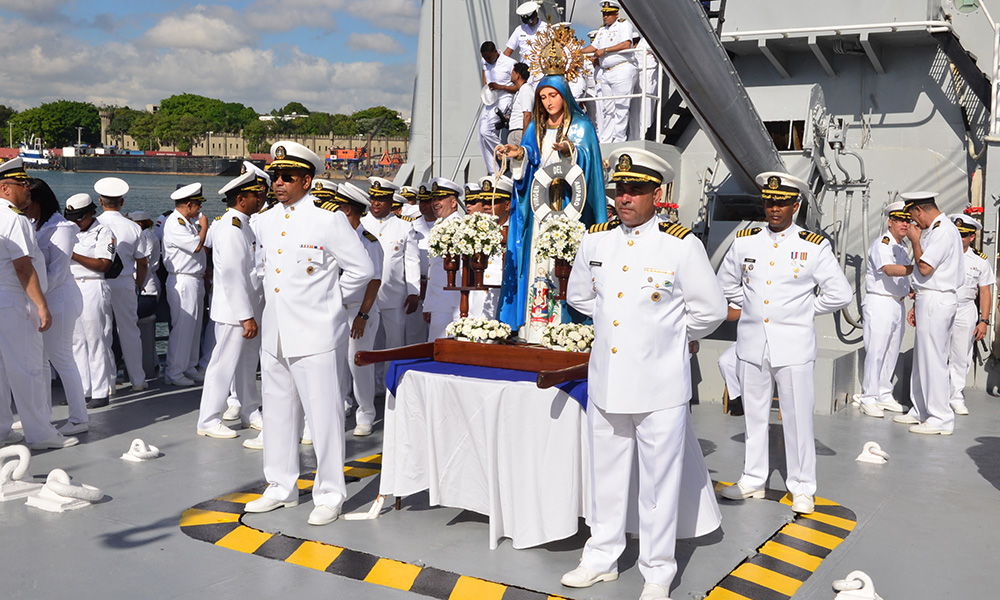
(59, 494)
(139, 451)
(873, 454)
(856, 586)
(12, 472)
(373, 513)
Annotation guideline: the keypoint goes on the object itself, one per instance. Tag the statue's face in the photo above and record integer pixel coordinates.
(552, 100)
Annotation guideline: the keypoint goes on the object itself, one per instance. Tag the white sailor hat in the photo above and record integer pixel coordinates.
(348, 192)
(610, 6)
(501, 188)
(409, 192)
(634, 165)
(442, 186)
(526, 8)
(286, 154)
(592, 34)
(14, 169)
(911, 199)
(965, 223)
(424, 192)
(188, 193)
(609, 200)
(897, 210)
(776, 185)
(324, 189)
(111, 187)
(398, 200)
(78, 206)
(247, 182)
(472, 193)
(381, 189)
(139, 215)
(261, 173)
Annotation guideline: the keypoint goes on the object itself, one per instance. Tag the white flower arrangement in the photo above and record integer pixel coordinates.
(476, 232)
(442, 238)
(572, 337)
(560, 238)
(478, 329)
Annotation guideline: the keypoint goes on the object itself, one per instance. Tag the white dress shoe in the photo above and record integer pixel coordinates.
(71, 428)
(856, 400)
(256, 443)
(654, 591)
(307, 436)
(925, 429)
(891, 406)
(218, 431)
(803, 504)
(872, 410)
(257, 421)
(265, 504)
(54, 443)
(582, 577)
(16, 425)
(232, 413)
(140, 387)
(905, 419)
(323, 515)
(12, 437)
(194, 375)
(959, 408)
(738, 491)
(180, 382)
(362, 430)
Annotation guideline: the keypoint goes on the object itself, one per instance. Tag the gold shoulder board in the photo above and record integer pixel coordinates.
(936, 225)
(369, 236)
(237, 223)
(16, 210)
(326, 205)
(406, 218)
(675, 230)
(180, 220)
(218, 218)
(746, 232)
(885, 240)
(981, 255)
(811, 237)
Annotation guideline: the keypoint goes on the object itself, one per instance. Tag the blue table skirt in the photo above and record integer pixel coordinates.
(576, 388)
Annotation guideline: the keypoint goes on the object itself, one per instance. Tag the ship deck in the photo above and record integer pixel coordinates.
(923, 523)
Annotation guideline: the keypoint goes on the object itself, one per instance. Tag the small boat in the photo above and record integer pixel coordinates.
(33, 154)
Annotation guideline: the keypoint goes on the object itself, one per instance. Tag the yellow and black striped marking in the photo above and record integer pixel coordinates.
(784, 562)
(220, 522)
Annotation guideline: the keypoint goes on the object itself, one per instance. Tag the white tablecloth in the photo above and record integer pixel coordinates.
(512, 452)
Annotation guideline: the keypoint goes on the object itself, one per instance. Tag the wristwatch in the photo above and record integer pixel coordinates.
(363, 315)
(987, 321)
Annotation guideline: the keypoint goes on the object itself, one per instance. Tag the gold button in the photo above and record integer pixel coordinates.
(649, 279)
(288, 216)
(625, 268)
(768, 282)
(615, 322)
(291, 208)
(277, 270)
(630, 242)
(279, 250)
(772, 263)
(796, 269)
(276, 290)
(282, 233)
(766, 302)
(775, 245)
(487, 277)
(795, 276)
(620, 294)
(767, 320)
(614, 351)
(637, 232)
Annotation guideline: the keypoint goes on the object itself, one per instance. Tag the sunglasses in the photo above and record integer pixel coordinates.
(969, 234)
(287, 177)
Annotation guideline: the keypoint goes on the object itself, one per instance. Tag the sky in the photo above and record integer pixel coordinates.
(336, 56)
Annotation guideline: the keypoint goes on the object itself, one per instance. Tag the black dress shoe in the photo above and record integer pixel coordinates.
(97, 402)
(736, 406)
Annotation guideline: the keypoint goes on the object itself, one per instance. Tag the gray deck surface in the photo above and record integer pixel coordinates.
(926, 520)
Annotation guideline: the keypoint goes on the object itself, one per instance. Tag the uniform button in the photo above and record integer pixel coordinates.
(630, 242)
(768, 282)
(775, 245)
(620, 294)
(277, 270)
(616, 322)
(276, 290)
(287, 216)
(625, 268)
(796, 269)
(772, 263)
(614, 351)
(279, 250)
(767, 320)
(282, 233)
(292, 208)
(766, 302)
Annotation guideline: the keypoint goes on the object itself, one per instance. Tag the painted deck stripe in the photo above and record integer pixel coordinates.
(353, 564)
(470, 588)
(239, 498)
(750, 589)
(434, 583)
(196, 516)
(244, 539)
(220, 505)
(781, 567)
(723, 594)
(393, 574)
(278, 547)
(812, 536)
(801, 545)
(836, 511)
(210, 533)
(771, 580)
(314, 555)
(790, 555)
(839, 522)
(818, 525)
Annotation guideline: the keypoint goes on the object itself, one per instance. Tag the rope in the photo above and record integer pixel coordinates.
(14, 470)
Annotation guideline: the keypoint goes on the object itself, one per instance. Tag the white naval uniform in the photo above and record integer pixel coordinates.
(934, 309)
(20, 340)
(618, 77)
(185, 264)
(648, 71)
(487, 303)
(521, 39)
(56, 240)
(884, 318)
(151, 286)
(416, 327)
(489, 137)
(313, 265)
(649, 292)
(400, 273)
(92, 330)
(442, 305)
(131, 245)
(978, 273)
(729, 366)
(773, 277)
(237, 296)
(363, 378)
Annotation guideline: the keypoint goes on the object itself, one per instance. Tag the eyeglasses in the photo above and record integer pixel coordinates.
(969, 234)
(21, 182)
(286, 177)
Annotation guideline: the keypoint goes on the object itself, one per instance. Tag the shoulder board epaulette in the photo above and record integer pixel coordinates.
(746, 232)
(406, 218)
(369, 236)
(885, 240)
(265, 208)
(809, 236)
(981, 255)
(180, 220)
(237, 223)
(604, 226)
(16, 210)
(326, 205)
(675, 230)
(936, 225)
(218, 218)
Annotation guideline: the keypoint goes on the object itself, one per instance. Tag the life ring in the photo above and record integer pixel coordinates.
(58, 483)
(568, 172)
(14, 470)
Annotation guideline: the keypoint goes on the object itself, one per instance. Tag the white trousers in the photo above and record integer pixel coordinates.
(186, 296)
(616, 82)
(883, 328)
(960, 349)
(392, 322)
(489, 137)
(416, 327)
(233, 364)
(729, 366)
(291, 386)
(440, 321)
(124, 304)
(21, 369)
(659, 438)
(363, 378)
(57, 344)
(930, 388)
(92, 339)
(796, 398)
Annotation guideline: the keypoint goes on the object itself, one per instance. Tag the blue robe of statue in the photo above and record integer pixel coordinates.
(517, 260)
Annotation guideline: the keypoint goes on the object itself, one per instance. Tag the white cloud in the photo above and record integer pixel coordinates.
(196, 30)
(396, 15)
(39, 11)
(375, 42)
(267, 15)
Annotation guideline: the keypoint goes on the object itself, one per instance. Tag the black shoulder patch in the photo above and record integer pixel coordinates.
(750, 231)
(885, 240)
(604, 226)
(17, 211)
(326, 205)
(675, 230)
(936, 225)
(809, 236)
(368, 236)
(981, 255)
(237, 223)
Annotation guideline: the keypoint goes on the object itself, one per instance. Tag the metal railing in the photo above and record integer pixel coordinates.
(648, 63)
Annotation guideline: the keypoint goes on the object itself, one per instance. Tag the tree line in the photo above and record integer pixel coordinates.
(184, 119)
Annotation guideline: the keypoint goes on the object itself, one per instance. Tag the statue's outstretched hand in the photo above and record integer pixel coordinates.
(508, 150)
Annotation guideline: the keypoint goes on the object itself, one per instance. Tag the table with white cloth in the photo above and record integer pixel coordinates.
(507, 450)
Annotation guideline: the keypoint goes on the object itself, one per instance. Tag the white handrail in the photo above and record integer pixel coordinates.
(836, 30)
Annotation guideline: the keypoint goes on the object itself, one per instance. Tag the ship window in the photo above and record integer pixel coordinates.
(786, 135)
(738, 208)
(967, 5)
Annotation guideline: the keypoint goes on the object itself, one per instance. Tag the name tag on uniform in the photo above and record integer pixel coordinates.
(595, 263)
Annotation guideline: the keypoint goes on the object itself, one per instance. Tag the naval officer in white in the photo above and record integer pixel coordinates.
(886, 284)
(938, 272)
(314, 264)
(441, 306)
(237, 302)
(612, 48)
(649, 287)
(772, 274)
